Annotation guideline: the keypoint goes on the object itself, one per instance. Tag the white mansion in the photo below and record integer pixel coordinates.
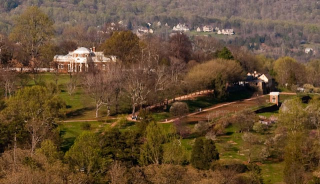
(81, 60)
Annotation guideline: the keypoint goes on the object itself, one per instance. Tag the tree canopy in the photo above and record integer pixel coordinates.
(32, 30)
(123, 44)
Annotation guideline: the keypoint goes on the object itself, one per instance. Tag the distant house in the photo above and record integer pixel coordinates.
(143, 29)
(181, 27)
(308, 50)
(262, 82)
(264, 78)
(226, 32)
(199, 29)
(207, 29)
(140, 31)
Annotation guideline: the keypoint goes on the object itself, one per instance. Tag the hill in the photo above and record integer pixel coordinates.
(280, 24)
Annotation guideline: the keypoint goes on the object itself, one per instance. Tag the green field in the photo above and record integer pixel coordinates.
(230, 145)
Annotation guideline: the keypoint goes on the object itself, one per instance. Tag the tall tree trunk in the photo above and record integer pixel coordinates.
(97, 111)
(133, 109)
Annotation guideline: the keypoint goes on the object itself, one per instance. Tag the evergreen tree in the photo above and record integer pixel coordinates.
(203, 153)
(197, 158)
(225, 54)
(210, 152)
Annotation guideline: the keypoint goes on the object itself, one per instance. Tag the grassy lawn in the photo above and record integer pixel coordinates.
(161, 116)
(210, 100)
(272, 172)
(71, 130)
(230, 145)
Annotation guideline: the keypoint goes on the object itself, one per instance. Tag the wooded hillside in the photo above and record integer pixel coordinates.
(280, 24)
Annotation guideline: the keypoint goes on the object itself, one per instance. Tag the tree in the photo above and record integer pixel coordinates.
(175, 153)
(85, 153)
(123, 44)
(214, 74)
(179, 109)
(294, 119)
(288, 71)
(313, 72)
(120, 146)
(180, 47)
(32, 30)
(38, 109)
(96, 86)
(225, 54)
(197, 160)
(117, 173)
(245, 120)
(8, 80)
(72, 84)
(152, 149)
(138, 86)
(203, 153)
(210, 151)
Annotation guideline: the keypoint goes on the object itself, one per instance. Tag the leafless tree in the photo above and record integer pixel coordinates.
(138, 86)
(8, 79)
(72, 84)
(96, 86)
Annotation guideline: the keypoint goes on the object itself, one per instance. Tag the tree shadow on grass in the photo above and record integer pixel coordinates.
(78, 112)
(272, 108)
(67, 143)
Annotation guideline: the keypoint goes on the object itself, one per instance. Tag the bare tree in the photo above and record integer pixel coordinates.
(138, 86)
(117, 173)
(96, 86)
(72, 84)
(8, 79)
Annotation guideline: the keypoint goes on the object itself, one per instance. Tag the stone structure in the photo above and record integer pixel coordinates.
(274, 98)
(81, 60)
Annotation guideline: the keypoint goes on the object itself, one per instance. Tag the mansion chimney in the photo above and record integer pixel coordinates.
(93, 49)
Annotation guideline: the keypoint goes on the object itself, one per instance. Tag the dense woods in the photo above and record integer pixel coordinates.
(132, 121)
(273, 27)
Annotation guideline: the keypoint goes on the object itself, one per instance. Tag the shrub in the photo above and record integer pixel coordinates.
(179, 109)
(85, 126)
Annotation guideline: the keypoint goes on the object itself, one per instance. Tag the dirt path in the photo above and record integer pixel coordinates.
(213, 108)
(184, 97)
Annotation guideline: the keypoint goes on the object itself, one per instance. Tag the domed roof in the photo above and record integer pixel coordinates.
(82, 50)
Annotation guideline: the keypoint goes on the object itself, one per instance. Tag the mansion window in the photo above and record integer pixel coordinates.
(61, 66)
(103, 67)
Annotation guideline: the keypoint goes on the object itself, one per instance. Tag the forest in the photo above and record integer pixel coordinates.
(170, 110)
(275, 28)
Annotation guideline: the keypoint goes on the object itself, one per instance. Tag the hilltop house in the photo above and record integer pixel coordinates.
(225, 31)
(262, 82)
(308, 50)
(140, 31)
(207, 29)
(181, 27)
(81, 60)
